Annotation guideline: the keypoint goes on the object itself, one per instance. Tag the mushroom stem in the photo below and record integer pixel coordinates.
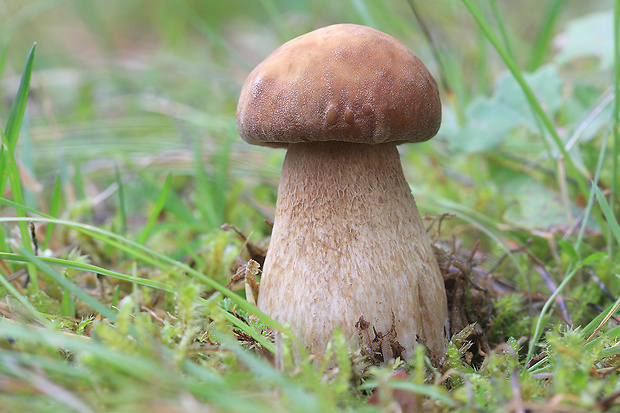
(348, 242)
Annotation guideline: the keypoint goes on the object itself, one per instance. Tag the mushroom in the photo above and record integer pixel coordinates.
(348, 247)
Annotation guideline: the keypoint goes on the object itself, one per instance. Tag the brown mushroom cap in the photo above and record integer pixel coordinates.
(345, 83)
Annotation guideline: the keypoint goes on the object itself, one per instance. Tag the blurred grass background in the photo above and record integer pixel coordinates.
(144, 84)
(127, 92)
(130, 127)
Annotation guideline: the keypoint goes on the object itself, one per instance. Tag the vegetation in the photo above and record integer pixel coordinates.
(122, 289)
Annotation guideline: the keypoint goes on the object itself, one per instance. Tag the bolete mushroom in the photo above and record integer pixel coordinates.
(348, 247)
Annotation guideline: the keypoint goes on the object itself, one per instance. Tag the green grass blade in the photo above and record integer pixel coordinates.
(364, 12)
(575, 266)
(136, 366)
(159, 206)
(529, 93)
(14, 121)
(62, 281)
(262, 340)
(257, 365)
(545, 34)
(432, 392)
(19, 201)
(502, 27)
(67, 304)
(276, 17)
(611, 351)
(122, 207)
(609, 214)
(540, 323)
(173, 203)
(591, 195)
(203, 387)
(16, 186)
(3, 54)
(26, 14)
(148, 256)
(78, 182)
(483, 224)
(3, 163)
(16, 115)
(206, 190)
(196, 20)
(212, 184)
(4, 246)
(614, 332)
(117, 295)
(570, 272)
(23, 300)
(53, 211)
(80, 266)
(9, 142)
(616, 115)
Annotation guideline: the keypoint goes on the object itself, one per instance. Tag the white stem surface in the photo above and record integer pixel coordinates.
(348, 242)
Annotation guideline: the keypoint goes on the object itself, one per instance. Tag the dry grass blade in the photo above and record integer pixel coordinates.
(605, 320)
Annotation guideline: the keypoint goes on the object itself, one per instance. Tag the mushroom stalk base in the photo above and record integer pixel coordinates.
(348, 244)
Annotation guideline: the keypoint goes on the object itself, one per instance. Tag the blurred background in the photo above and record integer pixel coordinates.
(127, 93)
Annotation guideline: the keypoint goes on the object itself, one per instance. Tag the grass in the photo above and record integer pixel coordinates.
(120, 162)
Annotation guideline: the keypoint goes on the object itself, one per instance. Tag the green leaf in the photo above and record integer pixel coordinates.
(546, 85)
(593, 257)
(531, 205)
(569, 249)
(488, 126)
(588, 36)
(534, 103)
(491, 120)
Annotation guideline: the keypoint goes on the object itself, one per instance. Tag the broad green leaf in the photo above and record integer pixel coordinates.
(569, 249)
(547, 86)
(532, 205)
(588, 36)
(490, 121)
(593, 257)
(488, 126)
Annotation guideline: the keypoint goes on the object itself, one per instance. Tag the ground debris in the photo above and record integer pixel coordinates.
(470, 306)
(249, 342)
(255, 252)
(372, 349)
